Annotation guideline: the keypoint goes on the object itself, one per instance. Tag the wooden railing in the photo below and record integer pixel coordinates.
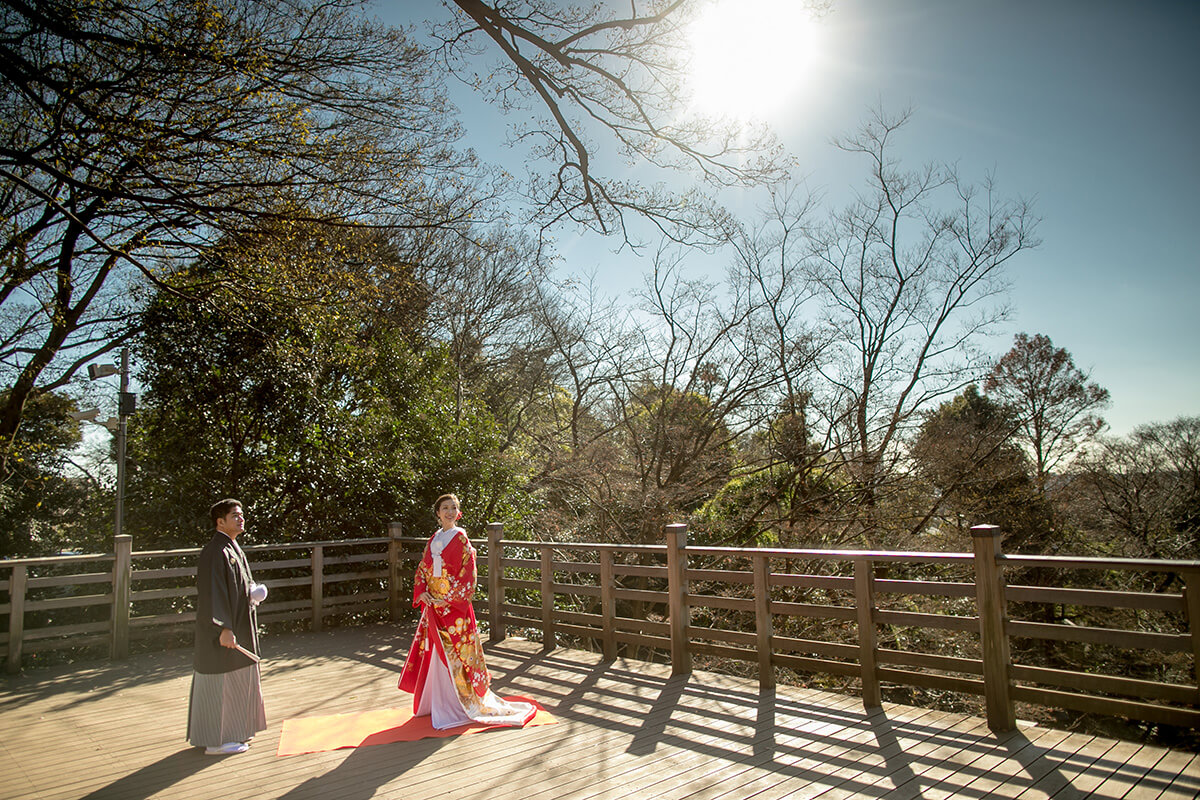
(675, 598)
(125, 596)
(844, 614)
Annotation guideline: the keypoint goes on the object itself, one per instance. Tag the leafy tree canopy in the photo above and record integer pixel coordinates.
(325, 418)
(138, 133)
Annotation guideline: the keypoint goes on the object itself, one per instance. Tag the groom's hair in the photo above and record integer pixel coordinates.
(221, 509)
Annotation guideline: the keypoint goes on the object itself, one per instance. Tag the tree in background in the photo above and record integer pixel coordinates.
(905, 279)
(137, 133)
(43, 507)
(909, 277)
(1056, 405)
(661, 400)
(781, 487)
(967, 452)
(782, 493)
(1142, 491)
(328, 419)
(484, 291)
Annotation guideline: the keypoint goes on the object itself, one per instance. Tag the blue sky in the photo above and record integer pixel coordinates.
(1090, 108)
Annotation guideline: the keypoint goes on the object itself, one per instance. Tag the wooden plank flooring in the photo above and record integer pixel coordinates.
(626, 730)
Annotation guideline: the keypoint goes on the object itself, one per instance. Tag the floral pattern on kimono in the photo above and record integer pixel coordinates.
(453, 624)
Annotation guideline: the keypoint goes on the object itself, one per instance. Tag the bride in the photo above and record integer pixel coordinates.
(445, 670)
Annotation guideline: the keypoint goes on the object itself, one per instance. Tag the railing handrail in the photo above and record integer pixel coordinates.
(266, 547)
(186, 551)
(1100, 562)
(1009, 560)
(82, 558)
(832, 555)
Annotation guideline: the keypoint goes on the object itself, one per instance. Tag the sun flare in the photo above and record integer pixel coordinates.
(749, 57)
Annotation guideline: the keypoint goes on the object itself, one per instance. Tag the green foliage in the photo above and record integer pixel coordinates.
(780, 506)
(322, 417)
(783, 491)
(732, 516)
(968, 454)
(42, 506)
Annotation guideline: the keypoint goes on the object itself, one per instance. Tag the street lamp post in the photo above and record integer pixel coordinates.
(122, 545)
(126, 405)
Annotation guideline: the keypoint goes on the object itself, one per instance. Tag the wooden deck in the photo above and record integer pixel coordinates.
(626, 729)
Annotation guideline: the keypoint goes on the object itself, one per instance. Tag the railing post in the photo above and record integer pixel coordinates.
(16, 616)
(868, 639)
(122, 578)
(763, 621)
(608, 605)
(548, 642)
(1191, 599)
(989, 591)
(318, 585)
(677, 607)
(495, 530)
(395, 548)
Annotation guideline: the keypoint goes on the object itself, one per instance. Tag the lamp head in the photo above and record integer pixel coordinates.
(96, 371)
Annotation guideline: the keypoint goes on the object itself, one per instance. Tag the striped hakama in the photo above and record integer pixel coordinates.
(225, 707)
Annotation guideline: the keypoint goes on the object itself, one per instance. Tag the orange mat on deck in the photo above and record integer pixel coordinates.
(317, 734)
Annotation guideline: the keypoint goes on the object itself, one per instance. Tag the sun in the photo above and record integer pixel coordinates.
(750, 57)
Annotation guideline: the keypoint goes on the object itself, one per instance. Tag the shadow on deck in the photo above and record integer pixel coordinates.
(626, 729)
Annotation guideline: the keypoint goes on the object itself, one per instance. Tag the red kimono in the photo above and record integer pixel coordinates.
(445, 670)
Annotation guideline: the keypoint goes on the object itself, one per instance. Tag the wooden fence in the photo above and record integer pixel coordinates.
(126, 595)
(669, 591)
(859, 614)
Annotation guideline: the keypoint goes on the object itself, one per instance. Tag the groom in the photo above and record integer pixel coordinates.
(225, 708)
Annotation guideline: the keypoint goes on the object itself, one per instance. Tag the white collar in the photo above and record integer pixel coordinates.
(440, 540)
(442, 537)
